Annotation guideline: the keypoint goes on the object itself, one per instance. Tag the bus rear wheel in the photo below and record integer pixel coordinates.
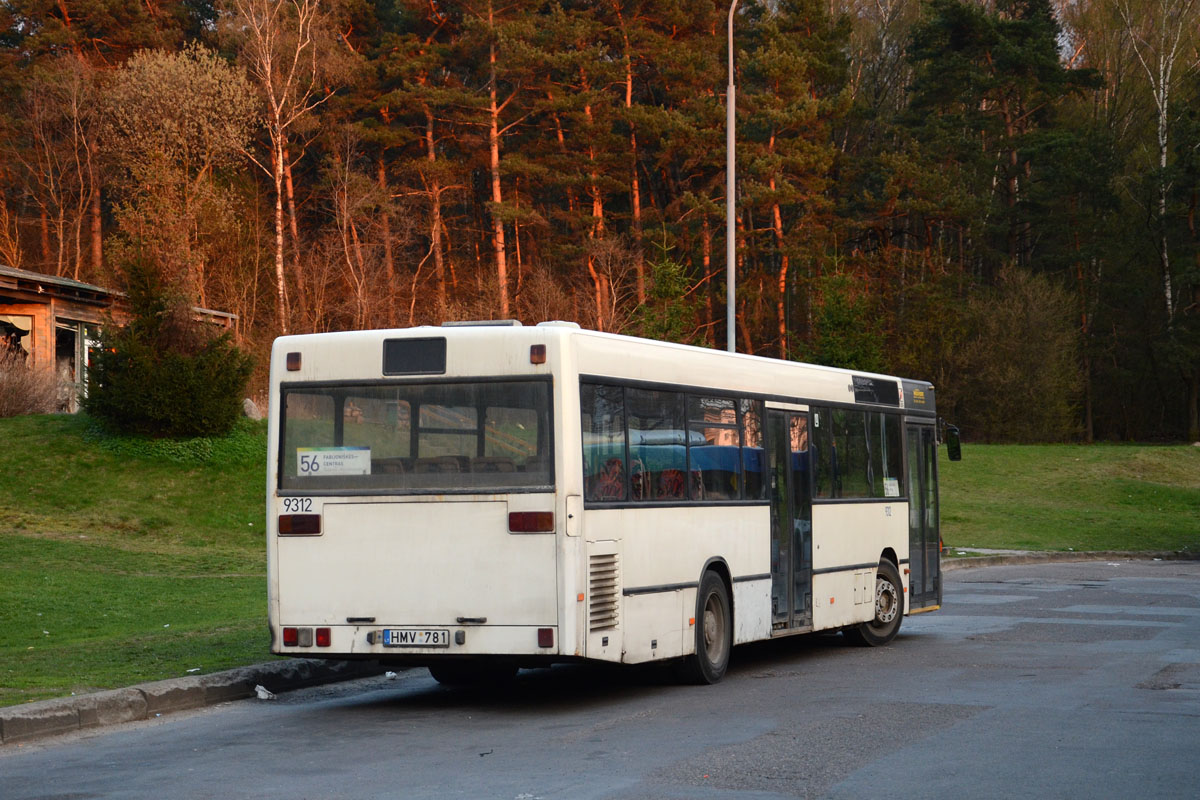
(889, 609)
(714, 634)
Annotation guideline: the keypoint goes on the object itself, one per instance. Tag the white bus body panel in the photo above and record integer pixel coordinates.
(394, 558)
(422, 563)
(853, 534)
(665, 547)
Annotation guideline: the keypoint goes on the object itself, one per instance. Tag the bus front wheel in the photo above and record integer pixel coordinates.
(714, 634)
(889, 609)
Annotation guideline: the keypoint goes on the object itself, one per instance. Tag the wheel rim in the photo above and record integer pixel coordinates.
(887, 604)
(714, 629)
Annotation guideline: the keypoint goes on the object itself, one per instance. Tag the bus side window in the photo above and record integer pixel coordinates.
(753, 458)
(822, 455)
(886, 462)
(850, 455)
(657, 438)
(713, 440)
(602, 417)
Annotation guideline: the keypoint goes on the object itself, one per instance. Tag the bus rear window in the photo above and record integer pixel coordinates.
(434, 437)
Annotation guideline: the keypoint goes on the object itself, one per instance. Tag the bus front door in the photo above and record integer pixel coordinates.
(791, 520)
(924, 539)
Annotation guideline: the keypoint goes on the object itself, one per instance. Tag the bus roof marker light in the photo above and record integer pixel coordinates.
(537, 354)
(293, 362)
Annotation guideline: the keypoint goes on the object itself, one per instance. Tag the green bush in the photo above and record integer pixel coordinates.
(163, 374)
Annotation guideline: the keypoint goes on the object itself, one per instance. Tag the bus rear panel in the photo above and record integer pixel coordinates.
(412, 512)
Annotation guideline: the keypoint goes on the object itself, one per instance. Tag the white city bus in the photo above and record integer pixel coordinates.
(481, 497)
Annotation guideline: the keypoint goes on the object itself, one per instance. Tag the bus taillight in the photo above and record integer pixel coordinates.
(531, 521)
(299, 524)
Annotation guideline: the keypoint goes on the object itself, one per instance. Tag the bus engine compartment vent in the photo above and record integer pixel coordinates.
(603, 591)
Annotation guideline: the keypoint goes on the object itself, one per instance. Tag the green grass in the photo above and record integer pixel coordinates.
(1064, 497)
(123, 560)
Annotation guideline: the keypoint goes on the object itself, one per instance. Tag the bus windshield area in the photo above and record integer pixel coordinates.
(482, 436)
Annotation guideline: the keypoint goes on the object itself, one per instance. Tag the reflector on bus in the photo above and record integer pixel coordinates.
(531, 521)
(299, 524)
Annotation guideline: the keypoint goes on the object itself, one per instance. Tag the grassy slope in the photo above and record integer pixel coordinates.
(117, 568)
(1060, 497)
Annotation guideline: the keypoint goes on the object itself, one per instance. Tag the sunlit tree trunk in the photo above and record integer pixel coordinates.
(435, 212)
(385, 222)
(498, 248)
(635, 198)
(280, 273)
(97, 232)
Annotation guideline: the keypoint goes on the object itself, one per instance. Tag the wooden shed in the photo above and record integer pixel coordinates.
(51, 322)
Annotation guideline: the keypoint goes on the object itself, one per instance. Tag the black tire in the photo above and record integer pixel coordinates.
(714, 634)
(889, 610)
(473, 673)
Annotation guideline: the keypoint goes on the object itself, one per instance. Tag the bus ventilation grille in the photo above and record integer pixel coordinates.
(603, 592)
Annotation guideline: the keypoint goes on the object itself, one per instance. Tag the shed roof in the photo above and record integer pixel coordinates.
(37, 282)
(24, 280)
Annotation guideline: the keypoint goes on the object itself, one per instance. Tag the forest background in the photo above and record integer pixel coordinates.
(1000, 197)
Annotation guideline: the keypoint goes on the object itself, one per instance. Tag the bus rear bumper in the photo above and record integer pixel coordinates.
(385, 642)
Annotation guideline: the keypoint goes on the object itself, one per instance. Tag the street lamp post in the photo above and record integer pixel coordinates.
(730, 203)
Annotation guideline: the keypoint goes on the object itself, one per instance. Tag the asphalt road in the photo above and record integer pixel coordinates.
(1061, 680)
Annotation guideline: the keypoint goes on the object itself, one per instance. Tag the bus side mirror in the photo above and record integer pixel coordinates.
(953, 443)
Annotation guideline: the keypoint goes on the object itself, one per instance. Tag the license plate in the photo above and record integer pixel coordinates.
(416, 637)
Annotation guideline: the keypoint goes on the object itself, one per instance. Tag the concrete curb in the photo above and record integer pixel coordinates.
(1060, 557)
(149, 700)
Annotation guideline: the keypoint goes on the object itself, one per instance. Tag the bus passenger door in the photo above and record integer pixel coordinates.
(924, 539)
(791, 519)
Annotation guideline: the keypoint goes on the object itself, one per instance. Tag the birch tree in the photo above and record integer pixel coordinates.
(290, 50)
(1163, 35)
